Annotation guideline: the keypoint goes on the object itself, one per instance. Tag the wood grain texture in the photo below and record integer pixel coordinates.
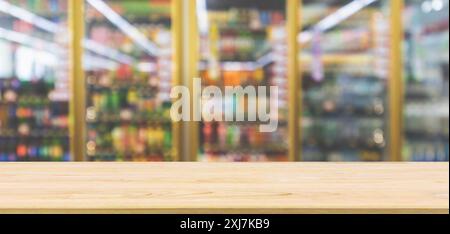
(224, 188)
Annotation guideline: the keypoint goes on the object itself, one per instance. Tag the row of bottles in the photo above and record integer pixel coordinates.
(27, 104)
(344, 133)
(241, 76)
(42, 7)
(426, 112)
(252, 19)
(345, 94)
(113, 97)
(221, 137)
(314, 154)
(32, 125)
(48, 146)
(433, 150)
(130, 142)
(352, 40)
(425, 119)
(235, 156)
(107, 34)
(241, 45)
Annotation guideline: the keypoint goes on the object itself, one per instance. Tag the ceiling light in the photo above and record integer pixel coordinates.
(427, 7)
(437, 5)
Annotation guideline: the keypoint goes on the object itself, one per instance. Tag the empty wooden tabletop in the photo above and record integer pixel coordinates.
(256, 188)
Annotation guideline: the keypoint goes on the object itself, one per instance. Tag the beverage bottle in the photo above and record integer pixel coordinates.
(132, 97)
(207, 134)
(222, 134)
(57, 150)
(3, 147)
(115, 101)
(230, 135)
(244, 137)
(12, 148)
(160, 138)
(142, 138)
(167, 140)
(3, 115)
(151, 137)
(236, 135)
(132, 139)
(116, 135)
(21, 150)
(12, 117)
(66, 149)
(43, 149)
(252, 137)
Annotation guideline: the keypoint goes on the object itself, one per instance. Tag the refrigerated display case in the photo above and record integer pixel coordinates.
(344, 63)
(129, 72)
(242, 43)
(34, 81)
(91, 81)
(426, 110)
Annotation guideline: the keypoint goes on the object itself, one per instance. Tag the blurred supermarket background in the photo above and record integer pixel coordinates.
(362, 88)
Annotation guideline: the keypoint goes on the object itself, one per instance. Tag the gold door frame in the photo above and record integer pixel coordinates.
(294, 11)
(396, 81)
(77, 81)
(192, 63)
(177, 67)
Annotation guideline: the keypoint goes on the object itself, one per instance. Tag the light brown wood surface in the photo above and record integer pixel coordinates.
(224, 188)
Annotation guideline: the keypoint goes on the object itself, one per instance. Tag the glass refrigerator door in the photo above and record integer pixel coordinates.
(344, 65)
(426, 60)
(34, 81)
(243, 43)
(128, 67)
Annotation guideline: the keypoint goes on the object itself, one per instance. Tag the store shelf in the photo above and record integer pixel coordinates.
(224, 188)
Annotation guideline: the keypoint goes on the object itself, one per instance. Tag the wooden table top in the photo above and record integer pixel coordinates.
(263, 188)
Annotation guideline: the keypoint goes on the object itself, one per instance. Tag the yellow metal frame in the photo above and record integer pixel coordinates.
(293, 8)
(194, 47)
(177, 49)
(396, 81)
(77, 80)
